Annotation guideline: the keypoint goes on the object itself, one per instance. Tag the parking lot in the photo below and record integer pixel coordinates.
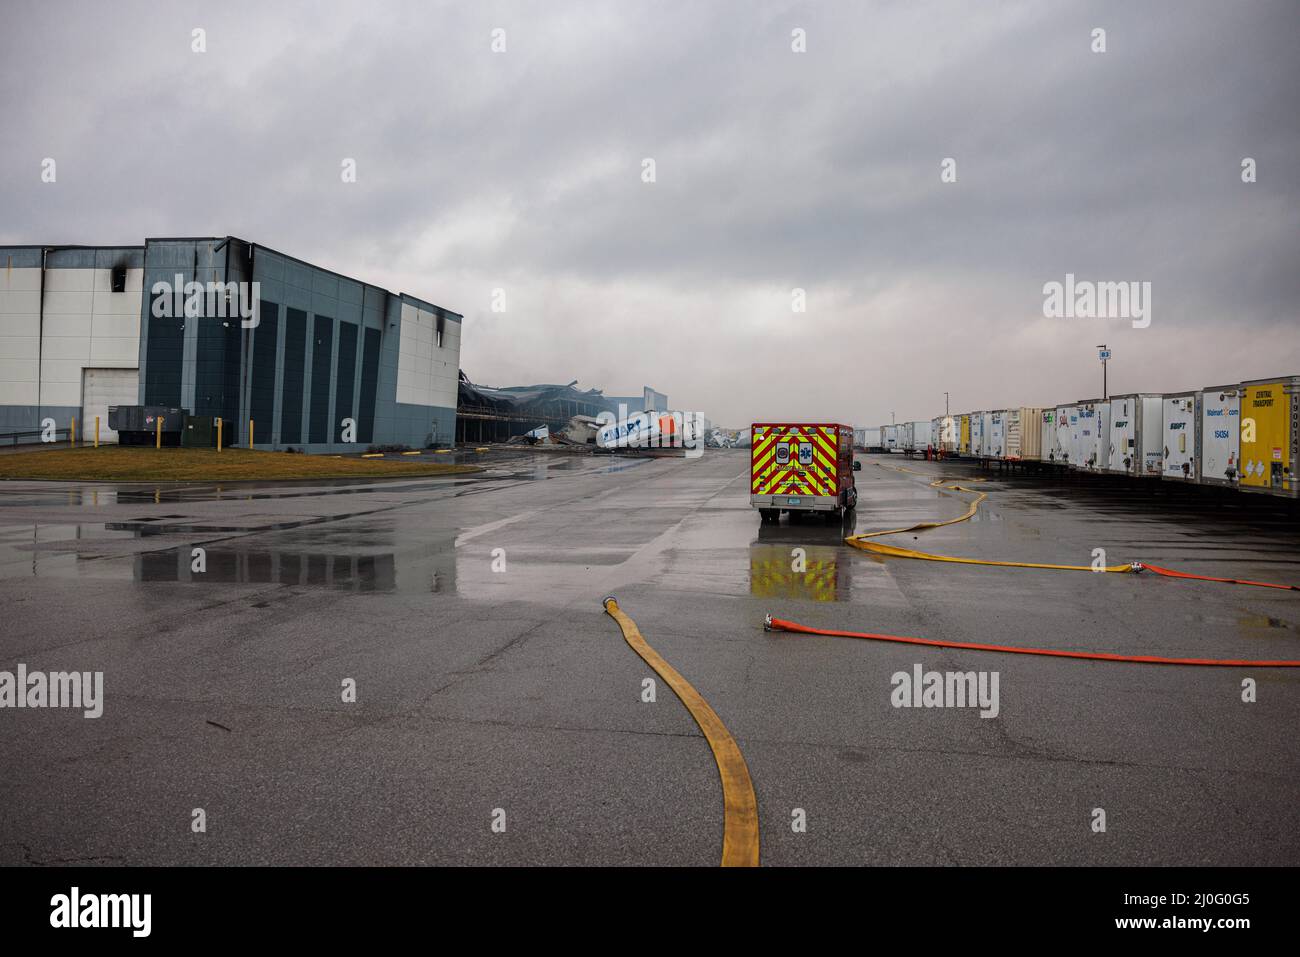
(488, 678)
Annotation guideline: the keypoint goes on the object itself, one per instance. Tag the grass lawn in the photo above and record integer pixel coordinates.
(135, 464)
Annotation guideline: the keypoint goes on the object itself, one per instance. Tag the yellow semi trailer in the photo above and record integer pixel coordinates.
(1270, 435)
(963, 438)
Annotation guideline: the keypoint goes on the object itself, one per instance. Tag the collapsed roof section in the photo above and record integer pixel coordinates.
(525, 399)
(489, 414)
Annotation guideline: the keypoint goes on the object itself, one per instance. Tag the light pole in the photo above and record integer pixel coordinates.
(1104, 354)
(945, 405)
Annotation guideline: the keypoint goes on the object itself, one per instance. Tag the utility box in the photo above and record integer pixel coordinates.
(1220, 455)
(200, 432)
(138, 424)
(1182, 415)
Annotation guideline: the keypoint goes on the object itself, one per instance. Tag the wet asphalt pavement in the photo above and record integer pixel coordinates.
(480, 689)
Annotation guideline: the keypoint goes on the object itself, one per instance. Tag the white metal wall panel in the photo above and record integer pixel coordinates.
(427, 374)
(100, 389)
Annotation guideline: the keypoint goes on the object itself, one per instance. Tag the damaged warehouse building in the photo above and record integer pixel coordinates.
(487, 414)
(286, 354)
(282, 353)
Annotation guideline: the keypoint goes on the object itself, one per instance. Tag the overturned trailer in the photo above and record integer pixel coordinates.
(653, 430)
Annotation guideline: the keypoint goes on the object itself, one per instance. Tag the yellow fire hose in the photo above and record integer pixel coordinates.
(740, 807)
(950, 485)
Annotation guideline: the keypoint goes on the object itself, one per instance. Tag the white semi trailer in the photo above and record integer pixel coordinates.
(1137, 434)
(1219, 461)
(1182, 425)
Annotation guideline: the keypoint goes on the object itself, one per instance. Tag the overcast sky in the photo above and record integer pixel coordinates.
(522, 170)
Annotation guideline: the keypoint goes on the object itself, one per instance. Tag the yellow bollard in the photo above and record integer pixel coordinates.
(96, 431)
(72, 433)
(250, 435)
(158, 440)
(218, 433)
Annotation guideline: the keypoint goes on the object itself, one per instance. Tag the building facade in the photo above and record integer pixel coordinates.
(303, 356)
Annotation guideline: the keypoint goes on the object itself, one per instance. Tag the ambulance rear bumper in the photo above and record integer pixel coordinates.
(796, 503)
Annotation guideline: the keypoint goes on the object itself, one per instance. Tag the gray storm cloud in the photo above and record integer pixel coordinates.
(819, 170)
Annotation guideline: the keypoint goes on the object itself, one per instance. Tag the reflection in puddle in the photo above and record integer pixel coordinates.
(798, 572)
(319, 569)
(423, 569)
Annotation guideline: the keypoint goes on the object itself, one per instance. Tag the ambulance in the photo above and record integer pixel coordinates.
(1220, 452)
(1270, 435)
(1182, 436)
(801, 467)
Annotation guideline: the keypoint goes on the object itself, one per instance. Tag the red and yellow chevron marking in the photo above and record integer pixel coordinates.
(817, 478)
(770, 576)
